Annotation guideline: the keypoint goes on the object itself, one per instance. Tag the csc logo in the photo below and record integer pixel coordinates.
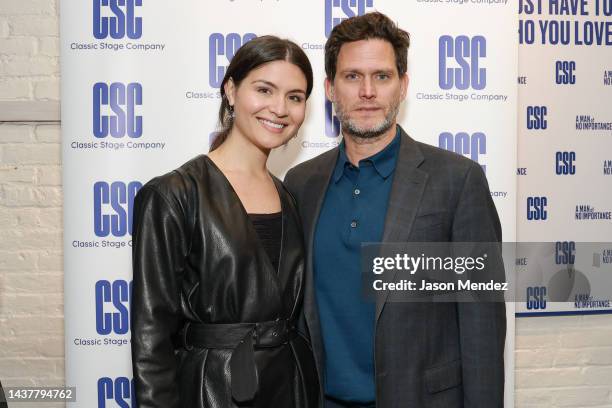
(536, 208)
(221, 50)
(122, 100)
(564, 72)
(123, 22)
(465, 52)
(564, 163)
(565, 252)
(536, 117)
(117, 294)
(116, 220)
(465, 144)
(332, 124)
(536, 297)
(349, 8)
(120, 390)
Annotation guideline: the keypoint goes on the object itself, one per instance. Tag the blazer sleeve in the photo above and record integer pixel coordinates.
(158, 253)
(482, 325)
(290, 183)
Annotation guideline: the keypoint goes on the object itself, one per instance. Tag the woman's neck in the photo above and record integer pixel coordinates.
(238, 154)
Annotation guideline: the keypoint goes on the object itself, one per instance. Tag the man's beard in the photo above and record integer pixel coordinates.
(350, 128)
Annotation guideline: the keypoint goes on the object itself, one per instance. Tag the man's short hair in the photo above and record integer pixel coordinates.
(365, 27)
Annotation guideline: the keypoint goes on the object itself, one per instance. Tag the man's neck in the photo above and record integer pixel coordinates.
(359, 148)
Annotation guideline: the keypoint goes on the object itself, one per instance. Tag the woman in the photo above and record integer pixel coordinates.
(218, 255)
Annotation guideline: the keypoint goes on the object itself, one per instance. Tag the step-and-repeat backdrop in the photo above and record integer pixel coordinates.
(140, 93)
(565, 156)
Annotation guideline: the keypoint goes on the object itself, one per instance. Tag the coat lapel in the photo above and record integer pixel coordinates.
(404, 200)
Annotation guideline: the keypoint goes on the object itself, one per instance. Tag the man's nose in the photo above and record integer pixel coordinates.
(367, 90)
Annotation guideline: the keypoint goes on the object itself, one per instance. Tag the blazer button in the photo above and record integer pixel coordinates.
(353, 224)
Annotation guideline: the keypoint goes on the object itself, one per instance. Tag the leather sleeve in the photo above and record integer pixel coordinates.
(158, 254)
(482, 325)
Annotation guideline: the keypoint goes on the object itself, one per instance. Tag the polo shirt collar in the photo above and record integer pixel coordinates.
(383, 161)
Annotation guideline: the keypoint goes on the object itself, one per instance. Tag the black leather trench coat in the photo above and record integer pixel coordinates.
(212, 321)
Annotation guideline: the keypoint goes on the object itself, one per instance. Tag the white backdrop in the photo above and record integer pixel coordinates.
(565, 153)
(140, 97)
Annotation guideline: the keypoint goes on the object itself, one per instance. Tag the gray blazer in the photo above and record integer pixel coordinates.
(430, 355)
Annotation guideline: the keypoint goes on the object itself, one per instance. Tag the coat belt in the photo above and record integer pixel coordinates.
(243, 338)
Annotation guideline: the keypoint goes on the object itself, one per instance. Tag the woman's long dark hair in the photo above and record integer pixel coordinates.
(251, 55)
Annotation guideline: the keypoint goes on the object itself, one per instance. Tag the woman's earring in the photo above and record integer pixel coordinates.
(232, 114)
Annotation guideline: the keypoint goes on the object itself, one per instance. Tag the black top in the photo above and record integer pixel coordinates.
(269, 228)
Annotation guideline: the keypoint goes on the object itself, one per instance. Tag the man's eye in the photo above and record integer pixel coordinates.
(383, 76)
(351, 76)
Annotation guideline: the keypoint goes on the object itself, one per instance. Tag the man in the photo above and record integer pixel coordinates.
(380, 185)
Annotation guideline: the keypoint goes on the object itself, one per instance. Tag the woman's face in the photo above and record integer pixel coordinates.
(269, 104)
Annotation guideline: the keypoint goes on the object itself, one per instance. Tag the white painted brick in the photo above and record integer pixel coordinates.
(15, 89)
(42, 153)
(598, 375)
(580, 396)
(49, 46)
(39, 26)
(533, 358)
(51, 261)
(31, 240)
(16, 133)
(532, 397)
(18, 46)
(25, 217)
(47, 89)
(49, 176)
(26, 304)
(40, 283)
(48, 133)
(587, 338)
(16, 173)
(24, 367)
(32, 325)
(51, 218)
(23, 66)
(598, 356)
(21, 304)
(4, 28)
(536, 341)
(570, 358)
(17, 7)
(7, 220)
(26, 196)
(17, 261)
(549, 377)
(597, 321)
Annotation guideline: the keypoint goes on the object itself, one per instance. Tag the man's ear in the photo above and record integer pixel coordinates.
(230, 91)
(329, 89)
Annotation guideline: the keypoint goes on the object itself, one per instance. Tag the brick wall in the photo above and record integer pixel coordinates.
(31, 276)
(560, 361)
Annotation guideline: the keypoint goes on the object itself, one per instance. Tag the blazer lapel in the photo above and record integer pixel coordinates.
(404, 200)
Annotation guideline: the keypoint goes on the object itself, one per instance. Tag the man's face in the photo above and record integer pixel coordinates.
(367, 89)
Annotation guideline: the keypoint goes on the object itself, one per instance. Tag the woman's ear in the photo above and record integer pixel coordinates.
(230, 91)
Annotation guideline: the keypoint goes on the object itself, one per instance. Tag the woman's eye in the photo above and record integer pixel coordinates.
(296, 98)
(263, 90)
